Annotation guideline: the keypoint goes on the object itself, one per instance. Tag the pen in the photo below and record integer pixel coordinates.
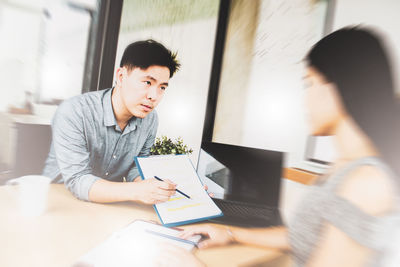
(172, 237)
(179, 191)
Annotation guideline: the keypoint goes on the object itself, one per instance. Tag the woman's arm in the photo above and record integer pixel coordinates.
(272, 237)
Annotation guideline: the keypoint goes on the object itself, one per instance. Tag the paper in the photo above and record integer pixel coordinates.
(179, 209)
(138, 244)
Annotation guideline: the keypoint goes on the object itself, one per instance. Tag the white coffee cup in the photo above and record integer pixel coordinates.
(32, 195)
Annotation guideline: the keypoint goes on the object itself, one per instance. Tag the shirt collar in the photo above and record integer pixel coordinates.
(132, 124)
(109, 117)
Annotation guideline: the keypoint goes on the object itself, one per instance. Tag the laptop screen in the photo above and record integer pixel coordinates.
(241, 173)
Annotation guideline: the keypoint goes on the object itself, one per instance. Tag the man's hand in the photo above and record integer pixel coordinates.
(152, 191)
(206, 188)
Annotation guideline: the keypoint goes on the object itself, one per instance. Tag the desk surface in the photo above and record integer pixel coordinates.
(71, 227)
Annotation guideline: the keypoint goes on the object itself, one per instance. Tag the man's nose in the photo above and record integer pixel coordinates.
(152, 93)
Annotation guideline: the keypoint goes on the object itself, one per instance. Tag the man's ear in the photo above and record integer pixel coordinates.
(119, 74)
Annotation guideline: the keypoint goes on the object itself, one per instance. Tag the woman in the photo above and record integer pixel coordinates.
(348, 217)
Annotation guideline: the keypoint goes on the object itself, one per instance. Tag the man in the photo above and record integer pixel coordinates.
(96, 135)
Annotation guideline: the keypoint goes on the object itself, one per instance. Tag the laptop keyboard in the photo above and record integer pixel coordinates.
(236, 209)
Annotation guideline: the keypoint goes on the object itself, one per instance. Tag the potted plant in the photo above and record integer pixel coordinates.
(164, 146)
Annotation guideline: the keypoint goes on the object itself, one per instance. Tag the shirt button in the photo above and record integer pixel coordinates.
(114, 156)
(106, 173)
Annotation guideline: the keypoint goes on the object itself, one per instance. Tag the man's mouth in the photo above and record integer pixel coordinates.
(147, 107)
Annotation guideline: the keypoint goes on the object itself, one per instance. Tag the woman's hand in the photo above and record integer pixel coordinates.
(217, 235)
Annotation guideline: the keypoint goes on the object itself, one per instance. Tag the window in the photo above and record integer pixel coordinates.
(43, 51)
(188, 28)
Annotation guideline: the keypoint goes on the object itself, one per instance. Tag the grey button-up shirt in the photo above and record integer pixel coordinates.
(89, 145)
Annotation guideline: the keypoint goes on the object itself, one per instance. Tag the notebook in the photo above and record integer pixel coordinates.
(245, 183)
(179, 209)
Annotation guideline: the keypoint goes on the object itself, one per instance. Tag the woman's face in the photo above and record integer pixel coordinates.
(324, 107)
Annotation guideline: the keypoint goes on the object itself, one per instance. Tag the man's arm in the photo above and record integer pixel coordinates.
(73, 160)
(148, 191)
(71, 151)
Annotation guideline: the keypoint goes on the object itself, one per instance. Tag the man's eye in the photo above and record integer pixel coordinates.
(163, 88)
(147, 82)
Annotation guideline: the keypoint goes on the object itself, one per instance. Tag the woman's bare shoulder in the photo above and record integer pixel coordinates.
(369, 188)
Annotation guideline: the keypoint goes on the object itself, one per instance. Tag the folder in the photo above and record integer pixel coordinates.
(179, 209)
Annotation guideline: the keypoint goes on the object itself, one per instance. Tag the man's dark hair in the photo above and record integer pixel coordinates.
(354, 59)
(143, 54)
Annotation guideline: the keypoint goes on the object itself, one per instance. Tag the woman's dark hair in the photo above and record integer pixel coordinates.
(354, 60)
(143, 54)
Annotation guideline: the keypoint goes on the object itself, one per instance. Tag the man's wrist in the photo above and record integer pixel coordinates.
(131, 191)
(137, 179)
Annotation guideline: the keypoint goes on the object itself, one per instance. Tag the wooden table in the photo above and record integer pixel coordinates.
(70, 227)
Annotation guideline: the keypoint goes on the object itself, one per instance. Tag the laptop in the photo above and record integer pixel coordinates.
(245, 183)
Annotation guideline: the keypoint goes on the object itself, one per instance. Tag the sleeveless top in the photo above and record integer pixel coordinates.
(323, 206)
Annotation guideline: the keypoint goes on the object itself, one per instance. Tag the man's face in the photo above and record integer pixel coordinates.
(142, 89)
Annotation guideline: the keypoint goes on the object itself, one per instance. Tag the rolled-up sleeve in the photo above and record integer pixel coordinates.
(71, 150)
(145, 151)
